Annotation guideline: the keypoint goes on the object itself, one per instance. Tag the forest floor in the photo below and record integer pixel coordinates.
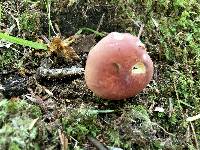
(44, 111)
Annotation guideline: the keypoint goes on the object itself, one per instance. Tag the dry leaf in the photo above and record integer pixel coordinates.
(62, 48)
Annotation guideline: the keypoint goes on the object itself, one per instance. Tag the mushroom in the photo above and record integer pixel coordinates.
(118, 67)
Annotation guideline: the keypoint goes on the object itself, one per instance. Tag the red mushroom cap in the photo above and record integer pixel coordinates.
(118, 67)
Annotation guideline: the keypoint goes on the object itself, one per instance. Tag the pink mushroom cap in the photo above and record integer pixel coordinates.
(118, 67)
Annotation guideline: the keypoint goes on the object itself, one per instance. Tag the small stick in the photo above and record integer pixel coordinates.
(100, 22)
(193, 118)
(76, 142)
(195, 137)
(45, 39)
(2, 88)
(96, 143)
(33, 123)
(59, 73)
(63, 140)
(141, 30)
(163, 129)
(57, 28)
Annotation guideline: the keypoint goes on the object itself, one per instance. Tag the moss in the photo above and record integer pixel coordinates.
(7, 58)
(81, 122)
(29, 21)
(16, 119)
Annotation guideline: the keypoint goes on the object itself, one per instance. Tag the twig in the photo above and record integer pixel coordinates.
(100, 22)
(59, 73)
(177, 96)
(17, 21)
(162, 129)
(76, 142)
(58, 29)
(171, 109)
(49, 18)
(2, 88)
(45, 39)
(193, 118)
(96, 143)
(9, 30)
(187, 136)
(141, 30)
(33, 123)
(63, 140)
(37, 100)
(195, 137)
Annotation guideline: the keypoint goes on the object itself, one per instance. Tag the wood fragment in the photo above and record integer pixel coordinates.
(63, 140)
(193, 118)
(194, 135)
(37, 100)
(141, 30)
(33, 123)
(59, 73)
(96, 143)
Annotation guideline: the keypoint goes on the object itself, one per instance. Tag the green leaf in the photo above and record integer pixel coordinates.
(90, 30)
(22, 42)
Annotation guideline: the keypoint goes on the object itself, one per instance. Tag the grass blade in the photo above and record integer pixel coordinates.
(22, 42)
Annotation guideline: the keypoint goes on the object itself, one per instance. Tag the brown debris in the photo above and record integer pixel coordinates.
(63, 140)
(62, 48)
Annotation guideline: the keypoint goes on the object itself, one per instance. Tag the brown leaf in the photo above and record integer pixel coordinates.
(62, 48)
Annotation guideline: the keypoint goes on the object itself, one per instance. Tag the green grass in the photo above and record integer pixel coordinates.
(22, 42)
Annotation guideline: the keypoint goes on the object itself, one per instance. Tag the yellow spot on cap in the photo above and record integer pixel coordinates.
(138, 68)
